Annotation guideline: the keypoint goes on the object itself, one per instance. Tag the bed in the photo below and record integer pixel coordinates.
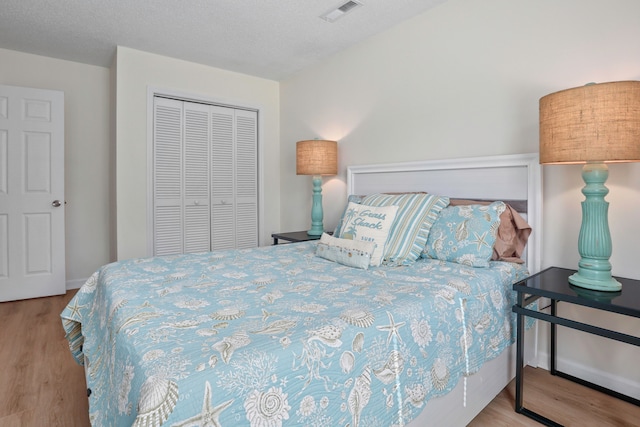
(284, 335)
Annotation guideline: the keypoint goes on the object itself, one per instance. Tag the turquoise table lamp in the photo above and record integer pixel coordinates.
(594, 124)
(316, 157)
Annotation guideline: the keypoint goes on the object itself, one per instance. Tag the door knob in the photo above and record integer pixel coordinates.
(56, 203)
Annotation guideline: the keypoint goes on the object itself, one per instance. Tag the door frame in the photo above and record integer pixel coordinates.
(152, 92)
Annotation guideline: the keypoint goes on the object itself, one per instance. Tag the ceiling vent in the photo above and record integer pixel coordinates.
(334, 14)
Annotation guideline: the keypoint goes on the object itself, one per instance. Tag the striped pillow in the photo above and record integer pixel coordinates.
(416, 214)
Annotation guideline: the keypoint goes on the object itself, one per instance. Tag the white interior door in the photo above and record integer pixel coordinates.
(32, 257)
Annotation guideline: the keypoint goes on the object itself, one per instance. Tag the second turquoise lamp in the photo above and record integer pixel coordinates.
(316, 157)
(594, 125)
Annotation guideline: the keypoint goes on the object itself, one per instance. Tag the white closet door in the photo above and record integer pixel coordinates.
(246, 179)
(196, 177)
(167, 158)
(222, 179)
(205, 177)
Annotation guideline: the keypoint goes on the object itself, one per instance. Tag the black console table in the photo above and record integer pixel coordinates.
(295, 236)
(553, 283)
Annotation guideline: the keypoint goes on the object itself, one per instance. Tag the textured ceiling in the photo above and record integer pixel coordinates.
(266, 38)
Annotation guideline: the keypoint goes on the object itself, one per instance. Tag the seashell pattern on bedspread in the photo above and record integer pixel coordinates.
(276, 336)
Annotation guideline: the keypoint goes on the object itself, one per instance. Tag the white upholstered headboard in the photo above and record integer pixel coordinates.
(511, 178)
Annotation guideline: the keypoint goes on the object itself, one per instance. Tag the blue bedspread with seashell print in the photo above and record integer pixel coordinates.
(277, 336)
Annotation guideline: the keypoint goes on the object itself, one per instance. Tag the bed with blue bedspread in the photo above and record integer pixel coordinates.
(280, 336)
(384, 323)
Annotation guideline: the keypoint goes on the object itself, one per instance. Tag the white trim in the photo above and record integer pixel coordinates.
(262, 239)
(153, 91)
(605, 379)
(75, 283)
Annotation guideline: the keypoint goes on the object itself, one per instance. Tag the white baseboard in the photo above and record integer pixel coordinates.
(75, 284)
(604, 379)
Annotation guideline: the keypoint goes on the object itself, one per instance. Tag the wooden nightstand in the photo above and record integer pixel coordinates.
(295, 236)
(553, 283)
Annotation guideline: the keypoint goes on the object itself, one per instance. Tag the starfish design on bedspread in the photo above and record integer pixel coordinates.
(392, 328)
(75, 310)
(209, 415)
(481, 240)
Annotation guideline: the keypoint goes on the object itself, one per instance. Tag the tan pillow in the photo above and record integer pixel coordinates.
(513, 232)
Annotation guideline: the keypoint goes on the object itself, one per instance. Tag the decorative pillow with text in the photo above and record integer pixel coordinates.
(370, 224)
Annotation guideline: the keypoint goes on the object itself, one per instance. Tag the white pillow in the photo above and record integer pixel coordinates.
(370, 224)
(354, 253)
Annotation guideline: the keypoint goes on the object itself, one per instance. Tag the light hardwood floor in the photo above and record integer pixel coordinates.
(41, 385)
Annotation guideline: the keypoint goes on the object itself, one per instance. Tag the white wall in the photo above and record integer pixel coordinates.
(464, 79)
(135, 72)
(86, 93)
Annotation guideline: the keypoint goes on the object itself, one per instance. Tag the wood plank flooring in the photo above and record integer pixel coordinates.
(561, 400)
(41, 385)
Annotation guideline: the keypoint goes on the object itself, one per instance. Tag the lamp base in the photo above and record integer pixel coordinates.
(601, 284)
(316, 208)
(594, 241)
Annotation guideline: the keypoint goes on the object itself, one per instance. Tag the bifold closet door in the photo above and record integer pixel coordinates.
(246, 179)
(168, 233)
(205, 175)
(234, 182)
(197, 135)
(181, 177)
